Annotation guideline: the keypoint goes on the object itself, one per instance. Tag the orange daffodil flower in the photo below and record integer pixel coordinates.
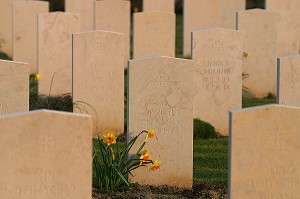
(145, 157)
(109, 138)
(150, 134)
(155, 166)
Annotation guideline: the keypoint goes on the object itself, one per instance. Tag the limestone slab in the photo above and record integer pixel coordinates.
(198, 14)
(288, 80)
(86, 10)
(159, 5)
(264, 159)
(25, 34)
(46, 154)
(55, 51)
(217, 75)
(154, 34)
(6, 27)
(14, 87)
(228, 11)
(289, 25)
(114, 16)
(98, 78)
(160, 97)
(259, 29)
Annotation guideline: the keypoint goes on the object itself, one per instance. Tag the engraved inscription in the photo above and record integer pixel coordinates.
(46, 144)
(162, 116)
(216, 75)
(270, 183)
(162, 79)
(45, 190)
(274, 140)
(217, 46)
(276, 195)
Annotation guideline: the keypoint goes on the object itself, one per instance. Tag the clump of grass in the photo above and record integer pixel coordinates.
(204, 130)
(59, 103)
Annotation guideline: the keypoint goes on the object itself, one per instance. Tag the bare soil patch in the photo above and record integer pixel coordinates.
(165, 192)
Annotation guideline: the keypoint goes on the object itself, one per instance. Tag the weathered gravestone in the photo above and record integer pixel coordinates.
(198, 14)
(259, 29)
(204, 14)
(217, 75)
(154, 34)
(228, 11)
(25, 37)
(289, 25)
(159, 5)
(98, 78)
(45, 155)
(14, 87)
(264, 159)
(6, 27)
(114, 16)
(288, 80)
(86, 10)
(160, 97)
(55, 51)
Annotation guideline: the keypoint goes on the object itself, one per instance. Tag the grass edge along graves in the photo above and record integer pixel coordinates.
(210, 155)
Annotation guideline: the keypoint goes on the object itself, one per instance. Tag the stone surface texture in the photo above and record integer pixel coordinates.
(154, 34)
(114, 16)
(25, 14)
(288, 80)
(159, 5)
(289, 25)
(217, 75)
(86, 10)
(259, 29)
(45, 155)
(98, 78)
(228, 11)
(160, 97)
(14, 87)
(6, 27)
(198, 14)
(55, 51)
(264, 159)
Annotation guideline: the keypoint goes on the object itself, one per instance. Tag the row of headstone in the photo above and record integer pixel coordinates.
(109, 15)
(160, 97)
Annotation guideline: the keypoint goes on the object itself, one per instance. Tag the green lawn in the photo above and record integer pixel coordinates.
(210, 161)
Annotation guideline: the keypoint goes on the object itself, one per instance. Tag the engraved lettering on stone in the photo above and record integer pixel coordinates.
(274, 140)
(46, 144)
(162, 79)
(45, 190)
(217, 46)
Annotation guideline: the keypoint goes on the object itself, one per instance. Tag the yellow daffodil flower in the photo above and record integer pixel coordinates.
(109, 138)
(155, 166)
(150, 134)
(247, 55)
(145, 157)
(37, 77)
(135, 9)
